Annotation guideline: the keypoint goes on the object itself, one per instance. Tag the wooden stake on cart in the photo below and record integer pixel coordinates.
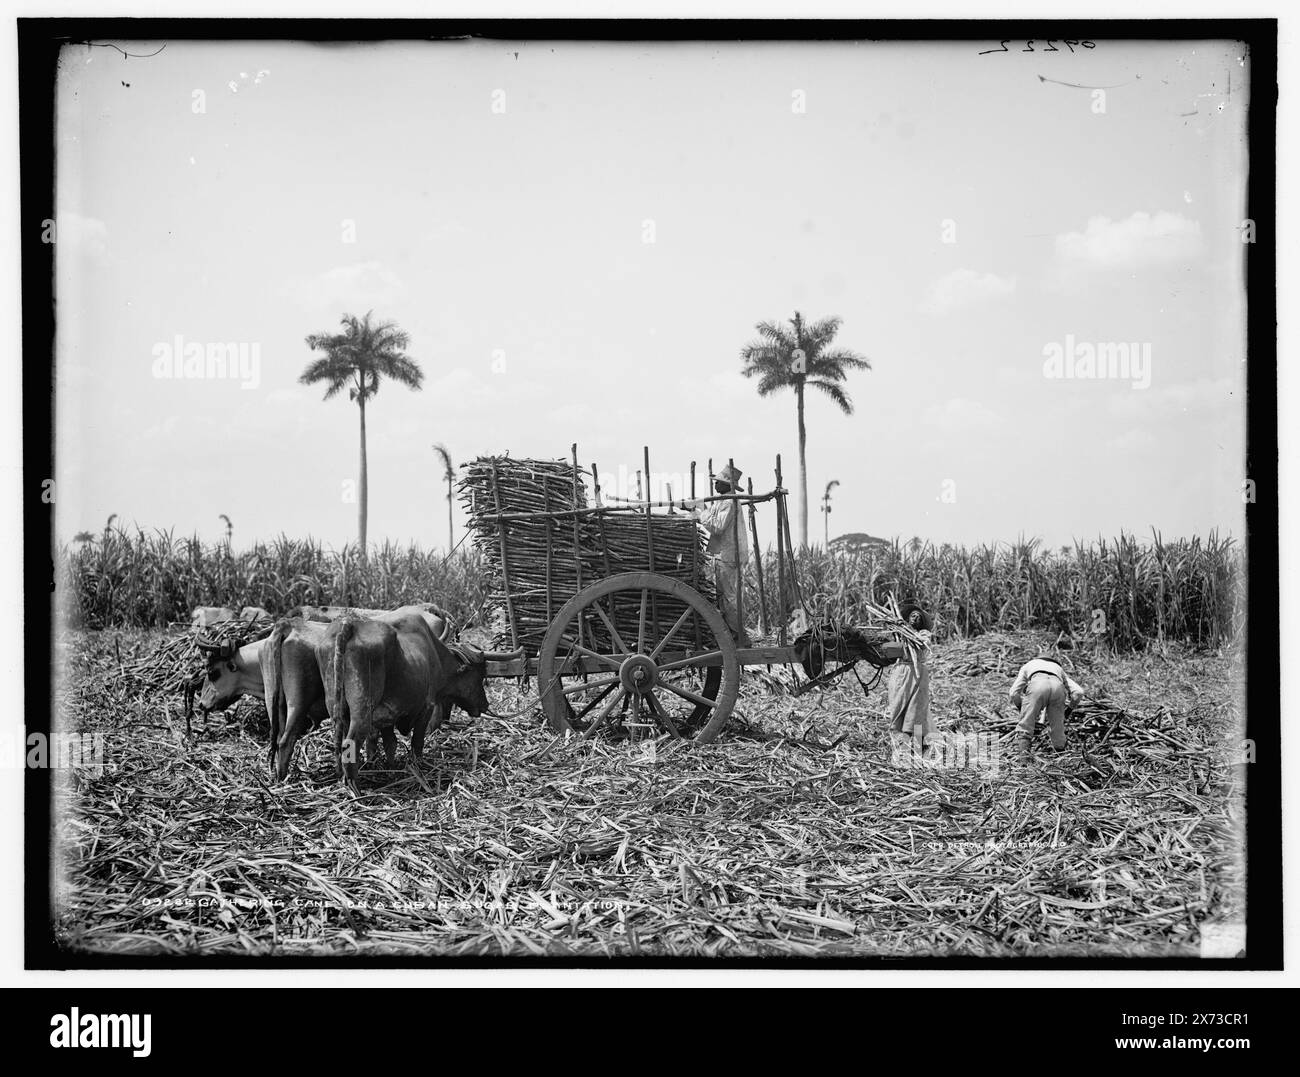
(695, 568)
(758, 559)
(577, 548)
(604, 546)
(795, 594)
(650, 548)
(546, 500)
(780, 557)
(505, 559)
(600, 520)
(735, 543)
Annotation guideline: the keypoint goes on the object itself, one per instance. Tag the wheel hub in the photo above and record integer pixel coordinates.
(638, 673)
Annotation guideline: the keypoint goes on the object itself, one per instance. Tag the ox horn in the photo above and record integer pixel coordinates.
(223, 650)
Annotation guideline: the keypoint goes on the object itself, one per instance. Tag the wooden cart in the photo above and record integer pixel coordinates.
(644, 649)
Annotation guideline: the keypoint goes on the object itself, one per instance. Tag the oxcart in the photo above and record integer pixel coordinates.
(641, 646)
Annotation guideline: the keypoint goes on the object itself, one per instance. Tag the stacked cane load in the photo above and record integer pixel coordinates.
(539, 562)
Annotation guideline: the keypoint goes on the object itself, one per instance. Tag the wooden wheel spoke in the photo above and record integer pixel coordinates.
(686, 693)
(609, 626)
(652, 701)
(600, 718)
(604, 682)
(640, 632)
(588, 708)
(613, 663)
(671, 632)
(623, 615)
(694, 660)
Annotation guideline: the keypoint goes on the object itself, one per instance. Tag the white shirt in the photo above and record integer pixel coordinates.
(724, 544)
(1039, 665)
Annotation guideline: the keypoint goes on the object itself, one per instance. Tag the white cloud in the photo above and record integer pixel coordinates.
(356, 288)
(965, 288)
(961, 414)
(1139, 239)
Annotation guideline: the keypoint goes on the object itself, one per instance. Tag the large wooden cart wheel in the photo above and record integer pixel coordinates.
(639, 648)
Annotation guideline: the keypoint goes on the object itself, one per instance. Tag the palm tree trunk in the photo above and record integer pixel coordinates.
(803, 470)
(364, 493)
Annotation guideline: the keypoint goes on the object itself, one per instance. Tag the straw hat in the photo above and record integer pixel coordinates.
(912, 605)
(729, 473)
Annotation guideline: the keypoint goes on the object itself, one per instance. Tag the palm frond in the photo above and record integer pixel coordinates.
(449, 472)
(774, 380)
(834, 363)
(360, 357)
(835, 393)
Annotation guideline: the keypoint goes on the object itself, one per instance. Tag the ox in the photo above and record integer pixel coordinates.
(439, 619)
(386, 676)
(299, 656)
(292, 687)
(231, 674)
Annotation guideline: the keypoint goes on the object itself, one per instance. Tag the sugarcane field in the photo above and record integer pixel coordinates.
(555, 504)
(807, 827)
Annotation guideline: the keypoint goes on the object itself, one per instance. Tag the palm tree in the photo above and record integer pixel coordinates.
(84, 537)
(826, 508)
(449, 473)
(358, 359)
(772, 359)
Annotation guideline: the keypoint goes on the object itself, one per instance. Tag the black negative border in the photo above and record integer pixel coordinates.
(39, 41)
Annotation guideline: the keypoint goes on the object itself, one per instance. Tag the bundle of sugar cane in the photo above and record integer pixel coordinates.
(885, 624)
(670, 545)
(539, 561)
(624, 542)
(177, 660)
(535, 561)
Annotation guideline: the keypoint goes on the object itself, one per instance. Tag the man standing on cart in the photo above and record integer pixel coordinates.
(729, 548)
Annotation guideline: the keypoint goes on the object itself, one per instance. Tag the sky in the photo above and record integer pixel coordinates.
(580, 238)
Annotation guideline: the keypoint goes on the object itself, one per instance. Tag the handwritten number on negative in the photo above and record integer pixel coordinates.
(1051, 46)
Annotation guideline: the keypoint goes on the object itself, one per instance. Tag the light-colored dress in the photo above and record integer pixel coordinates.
(728, 547)
(909, 693)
